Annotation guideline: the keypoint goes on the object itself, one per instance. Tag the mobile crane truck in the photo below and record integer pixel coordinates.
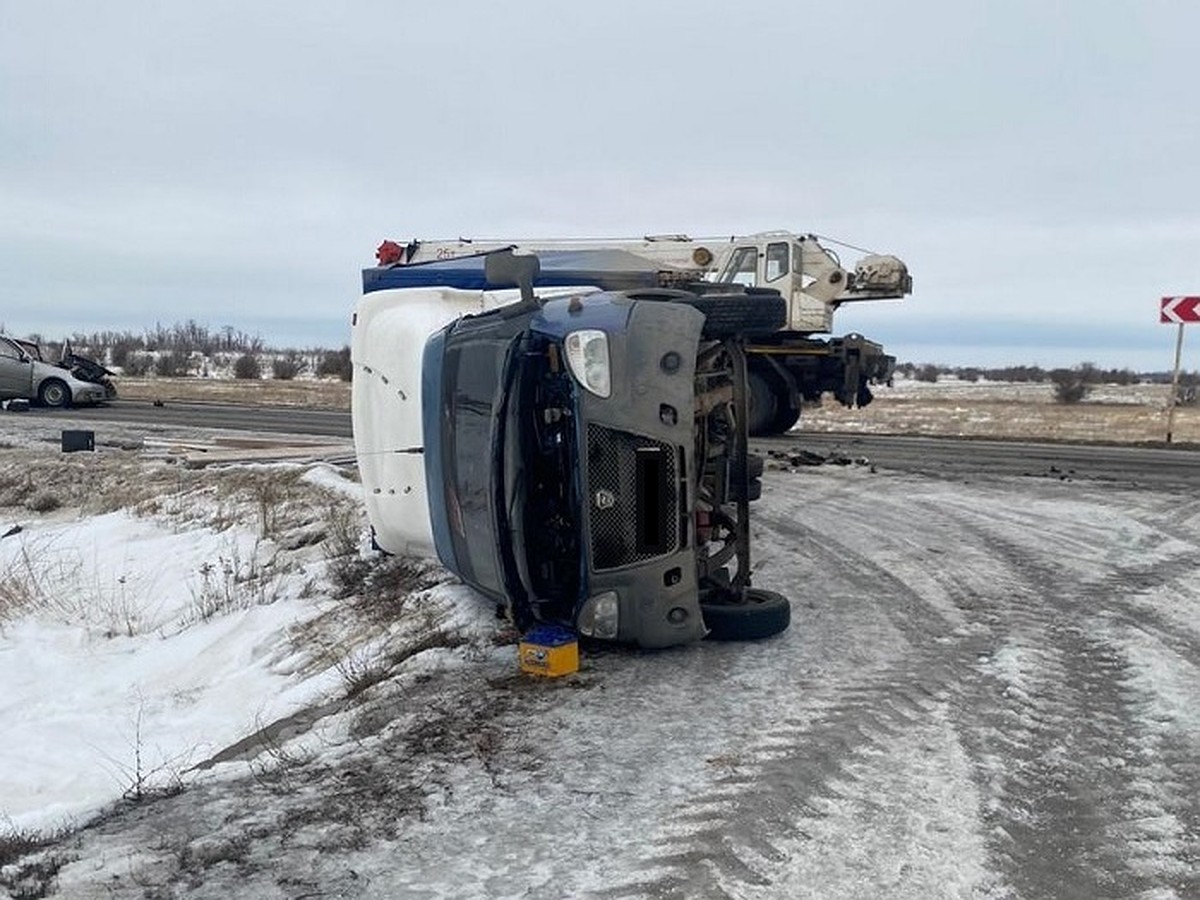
(785, 367)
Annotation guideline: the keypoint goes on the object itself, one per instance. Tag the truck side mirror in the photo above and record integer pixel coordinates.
(503, 268)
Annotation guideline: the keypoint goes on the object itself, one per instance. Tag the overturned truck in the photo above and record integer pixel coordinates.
(580, 457)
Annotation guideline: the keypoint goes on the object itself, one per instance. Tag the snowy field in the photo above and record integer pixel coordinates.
(1135, 413)
(211, 688)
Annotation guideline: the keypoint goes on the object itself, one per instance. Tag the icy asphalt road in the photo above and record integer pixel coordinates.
(179, 414)
(988, 690)
(944, 457)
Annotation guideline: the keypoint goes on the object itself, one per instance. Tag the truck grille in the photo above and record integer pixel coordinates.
(633, 497)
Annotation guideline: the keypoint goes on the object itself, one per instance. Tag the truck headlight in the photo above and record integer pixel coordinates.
(599, 617)
(587, 357)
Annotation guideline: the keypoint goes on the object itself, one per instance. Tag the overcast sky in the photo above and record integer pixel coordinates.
(1037, 164)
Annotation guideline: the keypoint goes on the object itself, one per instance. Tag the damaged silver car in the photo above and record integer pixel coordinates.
(25, 375)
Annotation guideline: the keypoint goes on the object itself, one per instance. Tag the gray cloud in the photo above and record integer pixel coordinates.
(237, 163)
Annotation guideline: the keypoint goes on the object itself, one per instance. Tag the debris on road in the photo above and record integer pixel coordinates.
(797, 457)
(550, 651)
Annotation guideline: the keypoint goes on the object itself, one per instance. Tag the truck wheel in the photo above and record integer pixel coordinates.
(784, 420)
(54, 393)
(754, 490)
(737, 315)
(754, 469)
(760, 615)
(763, 403)
(755, 463)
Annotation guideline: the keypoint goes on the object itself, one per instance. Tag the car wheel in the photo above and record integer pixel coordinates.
(761, 614)
(54, 393)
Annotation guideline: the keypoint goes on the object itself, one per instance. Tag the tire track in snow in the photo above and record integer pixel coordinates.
(1118, 593)
(794, 774)
(1164, 834)
(1064, 809)
(1053, 760)
(1084, 711)
(1069, 807)
(796, 769)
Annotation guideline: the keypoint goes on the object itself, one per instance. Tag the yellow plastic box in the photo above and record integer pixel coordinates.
(549, 650)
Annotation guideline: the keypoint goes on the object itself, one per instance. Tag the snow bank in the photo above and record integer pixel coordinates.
(138, 653)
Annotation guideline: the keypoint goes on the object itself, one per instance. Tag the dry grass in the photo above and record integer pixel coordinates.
(20, 588)
(1134, 415)
(325, 393)
(41, 481)
(27, 871)
(291, 515)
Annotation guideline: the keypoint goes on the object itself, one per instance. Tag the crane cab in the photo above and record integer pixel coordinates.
(809, 276)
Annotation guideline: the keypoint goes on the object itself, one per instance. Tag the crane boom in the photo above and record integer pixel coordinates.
(794, 365)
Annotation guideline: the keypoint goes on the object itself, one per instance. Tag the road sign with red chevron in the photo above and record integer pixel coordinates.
(1178, 310)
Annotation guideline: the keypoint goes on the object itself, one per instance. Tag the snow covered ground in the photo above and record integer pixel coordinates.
(987, 691)
(1135, 413)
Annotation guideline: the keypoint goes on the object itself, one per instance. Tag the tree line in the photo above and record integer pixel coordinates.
(1070, 384)
(193, 349)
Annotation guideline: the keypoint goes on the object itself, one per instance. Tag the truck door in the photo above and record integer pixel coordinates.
(775, 268)
(16, 371)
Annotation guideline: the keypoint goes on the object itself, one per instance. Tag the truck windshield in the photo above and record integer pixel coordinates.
(742, 267)
(476, 369)
(508, 463)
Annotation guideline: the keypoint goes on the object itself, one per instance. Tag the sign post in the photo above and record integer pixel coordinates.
(1180, 311)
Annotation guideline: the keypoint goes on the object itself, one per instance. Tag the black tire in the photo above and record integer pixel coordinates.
(785, 419)
(754, 469)
(737, 315)
(658, 294)
(54, 393)
(755, 465)
(763, 402)
(761, 615)
(754, 490)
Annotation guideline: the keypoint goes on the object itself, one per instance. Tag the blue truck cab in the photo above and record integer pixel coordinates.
(583, 459)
